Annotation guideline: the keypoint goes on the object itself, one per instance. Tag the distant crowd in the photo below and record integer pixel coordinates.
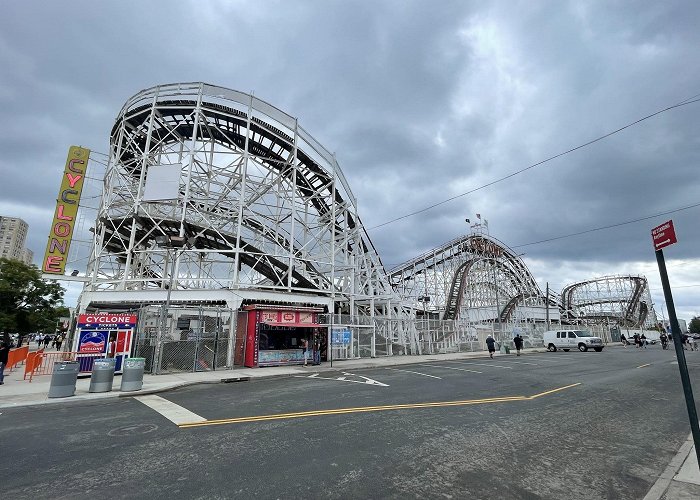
(46, 340)
(640, 341)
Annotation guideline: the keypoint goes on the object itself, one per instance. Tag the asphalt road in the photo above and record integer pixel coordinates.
(549, 425)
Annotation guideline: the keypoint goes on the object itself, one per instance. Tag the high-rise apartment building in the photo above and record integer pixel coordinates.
(13, 235)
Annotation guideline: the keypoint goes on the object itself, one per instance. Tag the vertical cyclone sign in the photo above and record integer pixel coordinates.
(66, 211)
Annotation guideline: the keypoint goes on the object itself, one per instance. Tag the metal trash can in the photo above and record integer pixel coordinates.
(102, 375)
(132, 376)
(63, 379)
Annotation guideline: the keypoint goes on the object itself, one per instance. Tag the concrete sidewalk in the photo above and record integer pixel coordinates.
(680, 480)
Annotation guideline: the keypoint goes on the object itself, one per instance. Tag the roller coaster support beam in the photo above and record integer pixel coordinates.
(680, 354)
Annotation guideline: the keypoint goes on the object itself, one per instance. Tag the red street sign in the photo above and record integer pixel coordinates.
(663, 235)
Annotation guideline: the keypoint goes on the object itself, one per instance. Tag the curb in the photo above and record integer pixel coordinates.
(664, 481)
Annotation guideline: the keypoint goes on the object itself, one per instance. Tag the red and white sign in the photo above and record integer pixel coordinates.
(291, 318)
(663, 235)
(107, 319)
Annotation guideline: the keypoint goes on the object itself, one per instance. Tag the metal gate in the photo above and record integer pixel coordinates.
(184, 338)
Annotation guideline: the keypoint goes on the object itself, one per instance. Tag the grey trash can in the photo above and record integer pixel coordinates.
(132, 374)
(102, 375)
(63, 379)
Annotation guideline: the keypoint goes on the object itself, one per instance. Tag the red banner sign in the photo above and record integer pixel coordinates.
(663, 235)
(101, 319)
(292, 318)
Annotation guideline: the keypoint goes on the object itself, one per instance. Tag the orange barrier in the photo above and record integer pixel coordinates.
(16, 356)
(41, 363)
(33, 361)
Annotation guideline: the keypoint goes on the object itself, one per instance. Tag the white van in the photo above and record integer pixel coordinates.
(571, 339)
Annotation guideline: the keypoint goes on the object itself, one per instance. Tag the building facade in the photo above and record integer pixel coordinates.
(13, 235)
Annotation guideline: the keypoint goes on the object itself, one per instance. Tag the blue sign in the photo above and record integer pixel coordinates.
(340, 336)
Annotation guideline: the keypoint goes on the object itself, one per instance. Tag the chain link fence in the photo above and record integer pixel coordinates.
(200, 338)
(185, 339)
(383, 336)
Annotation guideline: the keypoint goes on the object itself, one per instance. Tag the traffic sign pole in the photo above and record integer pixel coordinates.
(680, 354)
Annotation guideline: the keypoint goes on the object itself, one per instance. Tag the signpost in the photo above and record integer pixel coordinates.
(339, 337)
(663, 236)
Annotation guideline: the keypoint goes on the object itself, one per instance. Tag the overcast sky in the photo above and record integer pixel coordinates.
(420, 101)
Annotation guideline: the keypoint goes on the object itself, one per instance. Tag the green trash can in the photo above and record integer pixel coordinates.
(505, 349)
(132, 374)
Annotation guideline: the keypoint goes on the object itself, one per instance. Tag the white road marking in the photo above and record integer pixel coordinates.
(451, 368)
(173, 412)
(481, 364)
(521, 363)
(540, 358)
(371, 381)
(365, 380)
(416, 373)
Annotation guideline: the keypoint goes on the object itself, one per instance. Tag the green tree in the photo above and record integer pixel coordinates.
(27, 302)
(694, 326)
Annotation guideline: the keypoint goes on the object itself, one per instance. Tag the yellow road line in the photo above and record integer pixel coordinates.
(365, 409)
(642, 366)
(554, 390)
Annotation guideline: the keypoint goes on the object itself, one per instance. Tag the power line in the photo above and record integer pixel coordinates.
(601, 228)
(685, 102)
(609, 226)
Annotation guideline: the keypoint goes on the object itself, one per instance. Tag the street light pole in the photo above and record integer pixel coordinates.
(498, 305)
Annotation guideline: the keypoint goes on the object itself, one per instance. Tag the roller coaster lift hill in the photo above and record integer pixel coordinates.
(663, 236)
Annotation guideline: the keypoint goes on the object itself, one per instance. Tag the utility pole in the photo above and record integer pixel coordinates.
(546, 301)
(498, 305)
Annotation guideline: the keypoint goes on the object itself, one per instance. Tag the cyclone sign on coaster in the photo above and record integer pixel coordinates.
(67, 205)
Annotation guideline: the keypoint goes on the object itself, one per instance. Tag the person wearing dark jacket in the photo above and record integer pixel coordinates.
(491, 344)
(4, 353)
(518, 341)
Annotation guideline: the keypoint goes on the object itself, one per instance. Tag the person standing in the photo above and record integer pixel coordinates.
(305, 350)
(491, 345)
(643, 340)
(59, 341)
(111, 347)
(518, 341)
(4, 354)
(623, 339)
(317, 350)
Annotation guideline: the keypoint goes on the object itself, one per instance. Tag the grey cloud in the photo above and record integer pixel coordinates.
(378, 83)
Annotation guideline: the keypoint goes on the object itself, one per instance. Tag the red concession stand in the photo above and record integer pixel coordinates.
(272, 335)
